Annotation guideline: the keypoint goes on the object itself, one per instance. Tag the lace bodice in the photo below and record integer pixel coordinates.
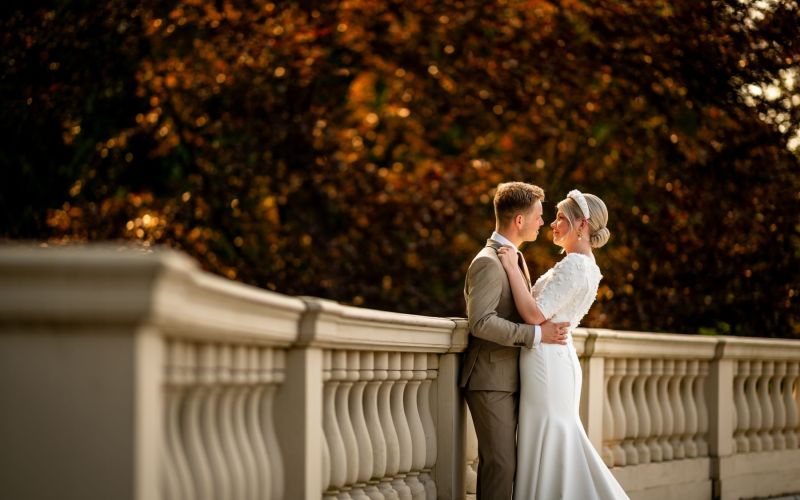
(568, 289)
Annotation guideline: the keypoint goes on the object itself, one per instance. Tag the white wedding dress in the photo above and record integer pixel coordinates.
(555, 459)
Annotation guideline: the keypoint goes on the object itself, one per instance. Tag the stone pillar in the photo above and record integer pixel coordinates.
(720, 414)
(450, 421)
(298, 423)
(80, 374)
(593, 393)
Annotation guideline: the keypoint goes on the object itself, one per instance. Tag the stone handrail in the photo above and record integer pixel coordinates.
(131, 374)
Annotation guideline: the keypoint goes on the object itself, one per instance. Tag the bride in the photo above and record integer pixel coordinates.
(555, 459)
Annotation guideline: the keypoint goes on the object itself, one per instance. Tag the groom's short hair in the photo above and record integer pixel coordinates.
(512, 198)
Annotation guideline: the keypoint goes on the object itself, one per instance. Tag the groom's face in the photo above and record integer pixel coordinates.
(532, 222)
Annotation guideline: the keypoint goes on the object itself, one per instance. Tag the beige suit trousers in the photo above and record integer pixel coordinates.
(494, 414)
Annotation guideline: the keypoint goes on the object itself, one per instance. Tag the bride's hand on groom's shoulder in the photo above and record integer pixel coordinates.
(554, 333)
(508, 257)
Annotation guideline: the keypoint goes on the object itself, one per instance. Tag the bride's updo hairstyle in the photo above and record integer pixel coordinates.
(598, 217)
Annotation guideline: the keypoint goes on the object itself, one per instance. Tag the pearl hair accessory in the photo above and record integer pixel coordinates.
(581, 201)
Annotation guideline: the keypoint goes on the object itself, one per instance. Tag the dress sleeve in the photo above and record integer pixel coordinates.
(564, 283)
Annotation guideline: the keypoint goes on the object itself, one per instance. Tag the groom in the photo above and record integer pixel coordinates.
(491, 362)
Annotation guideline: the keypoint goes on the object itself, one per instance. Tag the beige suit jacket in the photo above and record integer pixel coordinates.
(497, 332)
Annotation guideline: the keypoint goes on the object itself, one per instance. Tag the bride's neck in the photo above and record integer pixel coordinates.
(579, 247)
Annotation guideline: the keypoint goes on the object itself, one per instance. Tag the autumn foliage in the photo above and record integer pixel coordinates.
(349, 149)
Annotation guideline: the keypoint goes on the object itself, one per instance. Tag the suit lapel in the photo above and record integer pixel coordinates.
(525, 269)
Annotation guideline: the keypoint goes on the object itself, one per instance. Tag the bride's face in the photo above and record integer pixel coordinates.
(562, 231)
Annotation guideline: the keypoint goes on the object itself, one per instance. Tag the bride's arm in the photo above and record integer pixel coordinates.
(523, 299)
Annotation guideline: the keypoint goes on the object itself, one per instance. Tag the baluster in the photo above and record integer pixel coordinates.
(365, 364)
(630, 368)
(428, 426)
(415, 487)
(653, 405)
(392, 363)
(333, 436)
(227, 422)
(341, 363)
(372, 492)
(471, 455)
(372, 416)
(170, 485)
(357, 373)
(790, 390)
(169, 482)
(357, 493)
(608, 417)
(765, 402)
(401, 425)
(386, 489)
(177, 479)
(702, 410)
(210, 422)
(779, 421)
(278, 375)
(690, 409)
(327, 362)
(742, 410)
(735, 412)
(642, 450)
(346, 363)
(666, 408)
(260, 362)
(754, 405)
(418, 363)
(678, 411)
(326, 468)
(188, 378)
(240, 378)
(192, 427)
(618, 412)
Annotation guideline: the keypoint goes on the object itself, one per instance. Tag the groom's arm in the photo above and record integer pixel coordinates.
(484, 285)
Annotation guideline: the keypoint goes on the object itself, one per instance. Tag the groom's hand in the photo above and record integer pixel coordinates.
(554, 333)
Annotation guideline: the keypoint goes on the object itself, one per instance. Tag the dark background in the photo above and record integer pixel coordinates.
(349, 150)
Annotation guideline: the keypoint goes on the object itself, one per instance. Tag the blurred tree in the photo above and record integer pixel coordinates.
(349, 149)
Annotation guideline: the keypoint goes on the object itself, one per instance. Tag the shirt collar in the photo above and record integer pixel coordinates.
(503, 240)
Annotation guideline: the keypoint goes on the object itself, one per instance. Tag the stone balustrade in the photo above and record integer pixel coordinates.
(219, 435)
(688, 416)
(759, 445)
(645, 409)
(391, 414)
(131, 374)
(766, 408)
(380, 437)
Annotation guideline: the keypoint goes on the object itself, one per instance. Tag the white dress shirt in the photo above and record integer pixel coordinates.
(537, 335)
